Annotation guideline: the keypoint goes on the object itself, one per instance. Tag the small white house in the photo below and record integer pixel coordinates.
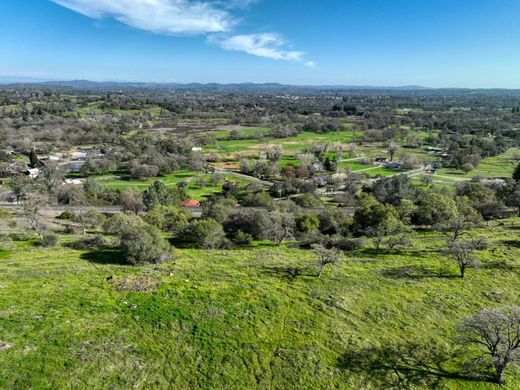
(32, 172)
(49, 158)
(73, 181)
(196, 149)
(78, 156)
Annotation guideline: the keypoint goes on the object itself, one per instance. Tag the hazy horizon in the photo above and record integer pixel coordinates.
(21, 80)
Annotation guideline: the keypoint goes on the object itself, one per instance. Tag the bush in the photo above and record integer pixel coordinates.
(5, 214)
(308, 201)
(315, 238)
(49, 240)
(349, 244)
(241, 238)
(168, 218)
(90, 219)
(207, 233)
(69, 229)
(158, 193)
(307, 223)
(217, 211)
(258, 199)
(254, 222)
(143, 244)
(66, 215)
(119, 223)
(90, 242)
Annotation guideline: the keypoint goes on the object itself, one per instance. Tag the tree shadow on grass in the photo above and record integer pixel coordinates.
(416, 272)
(289, 273)
(512, 243)
(501, 264)
(105, 255)
(406, 365)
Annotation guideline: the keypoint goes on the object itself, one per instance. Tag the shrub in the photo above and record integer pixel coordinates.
(5, 214)
(69, 229)
(143, 244)
(350, 244)
(119, 223)
(217, 211)
(258, 199)
(307, 223)
(158, 193)
(168, 218)
(66, 215)
(241, 238)
(90, 242)
(49, 240)
(207, 233)
(254, 222)
(90, 219)
(308, 200)
(314, 238)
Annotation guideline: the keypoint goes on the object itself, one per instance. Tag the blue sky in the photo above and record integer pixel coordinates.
(438, 43)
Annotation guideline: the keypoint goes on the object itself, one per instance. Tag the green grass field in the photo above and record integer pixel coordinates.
(246, 318)
(290, 145)
(171, 180)
(502, 165)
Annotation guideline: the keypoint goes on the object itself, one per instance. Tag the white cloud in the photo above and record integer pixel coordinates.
(268, 45)
(233, 4)
(189, 17)
(159, 16)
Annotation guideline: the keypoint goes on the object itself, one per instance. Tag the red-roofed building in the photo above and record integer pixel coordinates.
(190, 203)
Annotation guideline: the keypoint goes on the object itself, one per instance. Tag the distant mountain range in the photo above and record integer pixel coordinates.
(128, 86)
(124, 85)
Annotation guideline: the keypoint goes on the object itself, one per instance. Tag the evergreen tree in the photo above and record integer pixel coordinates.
(34, 160)
(516, 173)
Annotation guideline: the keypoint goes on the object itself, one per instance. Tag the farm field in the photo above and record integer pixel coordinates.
(247, 318)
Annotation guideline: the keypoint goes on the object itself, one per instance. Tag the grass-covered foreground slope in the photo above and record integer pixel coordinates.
(252, 318)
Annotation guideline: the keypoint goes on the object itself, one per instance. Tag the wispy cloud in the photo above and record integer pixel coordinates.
(190, 17)
(234, 4)
(268, 45)
(159, 16)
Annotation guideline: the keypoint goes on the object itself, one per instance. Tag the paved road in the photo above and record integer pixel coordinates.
(242, 176)
(351, 159)
(108, 210)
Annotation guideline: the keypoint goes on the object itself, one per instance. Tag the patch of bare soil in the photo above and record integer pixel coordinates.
(5, 346)
(133, 283)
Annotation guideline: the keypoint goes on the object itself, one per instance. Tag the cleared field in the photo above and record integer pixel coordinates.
(290, 145)
(502, 165)
(247, 318)
(193, 189)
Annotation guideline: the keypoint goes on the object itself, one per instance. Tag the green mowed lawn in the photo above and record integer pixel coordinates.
(247, 318)
(193, 189)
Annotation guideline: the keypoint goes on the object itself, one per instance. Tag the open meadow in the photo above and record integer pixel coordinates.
(256, 317)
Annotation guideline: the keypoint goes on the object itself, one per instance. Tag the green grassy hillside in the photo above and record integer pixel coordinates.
(251, 318)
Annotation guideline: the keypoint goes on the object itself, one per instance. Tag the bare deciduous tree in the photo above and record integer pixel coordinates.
(497, 332)
(462, 252)
(281, 227)
(35, 219)
(326, 256)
